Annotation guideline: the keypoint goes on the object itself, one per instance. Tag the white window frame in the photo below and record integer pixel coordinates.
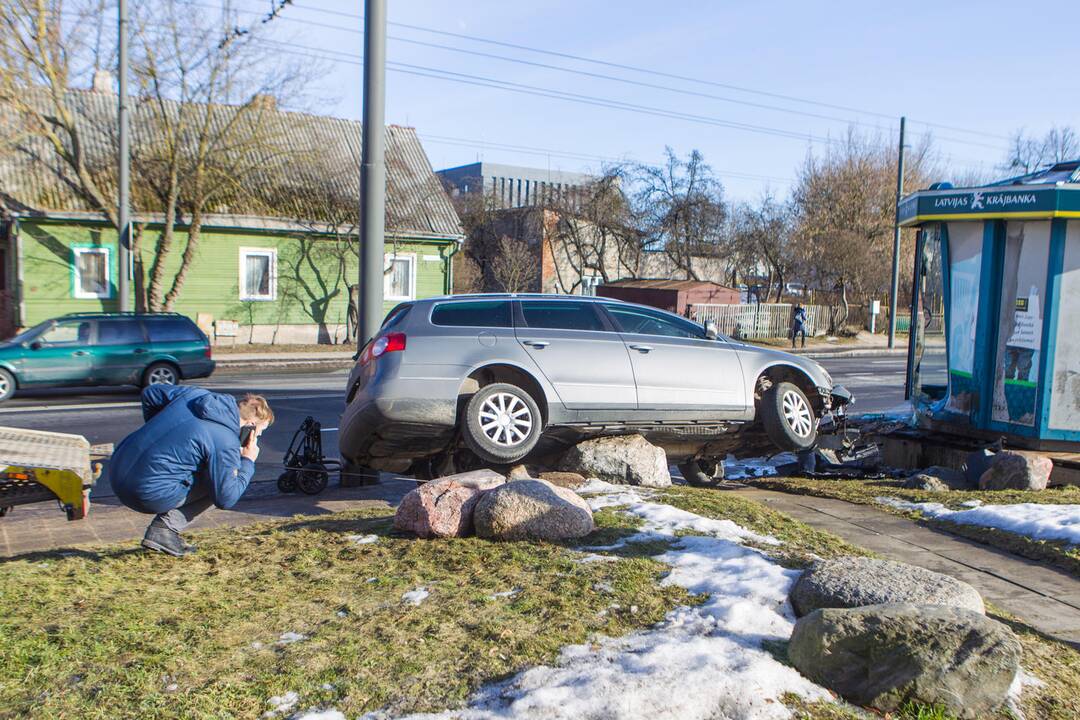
(245, 253)
(389, 259)
(76, 275)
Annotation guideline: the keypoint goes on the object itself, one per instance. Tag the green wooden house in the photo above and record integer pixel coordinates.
(275, 258)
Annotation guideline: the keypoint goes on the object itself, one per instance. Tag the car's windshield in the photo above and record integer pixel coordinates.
(31, 333)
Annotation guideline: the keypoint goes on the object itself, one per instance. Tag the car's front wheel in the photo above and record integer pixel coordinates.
(161, 373)
(502, 423)
(789, 418)
(7, 385)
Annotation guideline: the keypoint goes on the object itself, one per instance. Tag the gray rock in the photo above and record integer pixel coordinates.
(1012, 470)
(938, 479)
(626, 459)
(882, 656)
(532, 509)
(855, 581)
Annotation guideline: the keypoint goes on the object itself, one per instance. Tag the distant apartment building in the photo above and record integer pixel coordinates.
(512, 186)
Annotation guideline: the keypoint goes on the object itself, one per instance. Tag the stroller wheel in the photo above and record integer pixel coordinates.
(313, 479)
(286, 481)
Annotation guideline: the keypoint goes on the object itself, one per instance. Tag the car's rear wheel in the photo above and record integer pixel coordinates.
(161, 373)
(703, 473)
(789, 418)
(502, 423)
(7, 385)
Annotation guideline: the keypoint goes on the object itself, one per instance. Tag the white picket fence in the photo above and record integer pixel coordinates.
(759, 321)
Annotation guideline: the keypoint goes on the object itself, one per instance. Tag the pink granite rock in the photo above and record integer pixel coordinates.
(444, 507)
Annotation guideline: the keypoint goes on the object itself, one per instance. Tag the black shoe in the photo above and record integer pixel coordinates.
(162, 539)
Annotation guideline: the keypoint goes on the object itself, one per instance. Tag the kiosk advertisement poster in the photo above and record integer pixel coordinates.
(965, 262)
(1065, 391)
(1027, 250)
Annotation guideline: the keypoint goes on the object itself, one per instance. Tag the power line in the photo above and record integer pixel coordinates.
(644, 70)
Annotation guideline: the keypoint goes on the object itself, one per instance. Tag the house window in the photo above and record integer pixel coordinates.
(400, 279)
(91, 269)
(589, 283)
(258, 274)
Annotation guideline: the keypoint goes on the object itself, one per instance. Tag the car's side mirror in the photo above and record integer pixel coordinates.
(710, 330)
(36, 345)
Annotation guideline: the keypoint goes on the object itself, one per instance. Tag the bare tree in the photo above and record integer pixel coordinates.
(763, 238)
(1027, 153)
(514, 266)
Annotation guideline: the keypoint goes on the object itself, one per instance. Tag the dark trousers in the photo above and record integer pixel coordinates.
(796, 330)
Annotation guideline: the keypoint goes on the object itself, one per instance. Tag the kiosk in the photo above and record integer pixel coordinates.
(1005, 260)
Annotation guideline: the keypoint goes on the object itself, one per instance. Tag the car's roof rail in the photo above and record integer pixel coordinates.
(513, 296)
(128, 313)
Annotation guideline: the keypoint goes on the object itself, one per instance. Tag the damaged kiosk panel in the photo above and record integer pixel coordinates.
(1005, 259)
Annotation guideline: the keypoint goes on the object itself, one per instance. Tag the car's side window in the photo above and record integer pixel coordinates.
(561, 315)
(472, 313)
(172, 330)
(73, 332)
(120, 332)
(639, 321)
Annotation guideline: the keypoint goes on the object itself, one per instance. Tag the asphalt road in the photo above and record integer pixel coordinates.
(107, 415)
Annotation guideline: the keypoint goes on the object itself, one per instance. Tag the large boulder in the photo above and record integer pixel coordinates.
(626, 459)
(882, 656)
(855, 581)
(534, 510)
(444, 507)
(938, 479)
(1011, 470)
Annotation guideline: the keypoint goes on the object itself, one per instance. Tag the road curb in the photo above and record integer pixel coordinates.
(329, 364)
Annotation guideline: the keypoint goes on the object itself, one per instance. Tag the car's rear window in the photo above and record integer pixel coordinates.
(119, 332)
(172, 330)
(395, 316)
(473, 313)
(560, 315)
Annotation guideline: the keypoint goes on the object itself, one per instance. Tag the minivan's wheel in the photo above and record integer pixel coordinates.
(502, 423)
(789, 418)
(161, 373)
(7, 385)
(703, 473)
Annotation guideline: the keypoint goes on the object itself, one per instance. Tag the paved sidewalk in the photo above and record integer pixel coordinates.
(43, 528)
(1047, 599)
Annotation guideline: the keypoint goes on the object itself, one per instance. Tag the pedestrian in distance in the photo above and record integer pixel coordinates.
(798, 324)
(196, 449)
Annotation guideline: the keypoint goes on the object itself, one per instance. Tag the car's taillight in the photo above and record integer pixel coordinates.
(209, 353)
(391, 342)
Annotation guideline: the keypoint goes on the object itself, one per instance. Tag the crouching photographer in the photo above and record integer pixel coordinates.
(196, 449)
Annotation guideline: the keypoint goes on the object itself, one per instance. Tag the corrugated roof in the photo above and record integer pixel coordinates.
(302, 167)
(662, 284)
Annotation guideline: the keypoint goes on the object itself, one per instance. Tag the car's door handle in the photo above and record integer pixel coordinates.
(140, 351)
(538, 344)
(80, 353)
(641, 348)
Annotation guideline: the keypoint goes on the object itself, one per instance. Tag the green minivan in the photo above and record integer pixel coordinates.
(87, 349)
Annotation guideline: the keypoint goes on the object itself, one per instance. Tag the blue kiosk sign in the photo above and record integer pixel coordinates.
(1005, 259)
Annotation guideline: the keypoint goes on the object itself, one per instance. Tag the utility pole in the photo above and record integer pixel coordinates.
(123, 254)
(372, 174)
(896, 240)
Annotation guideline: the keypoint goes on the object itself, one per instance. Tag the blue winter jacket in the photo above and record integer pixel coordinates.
(191, 436)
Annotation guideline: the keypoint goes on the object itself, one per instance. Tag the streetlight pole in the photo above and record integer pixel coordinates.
(123, 255)
(896, 240)
(372, 174)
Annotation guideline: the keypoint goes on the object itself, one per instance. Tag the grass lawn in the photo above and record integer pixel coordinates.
(118, 633)
(1060, 554)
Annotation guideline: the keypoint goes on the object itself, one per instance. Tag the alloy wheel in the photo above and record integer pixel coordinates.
(162, 376)
(505, 419)
(5, 387)
(797, 413)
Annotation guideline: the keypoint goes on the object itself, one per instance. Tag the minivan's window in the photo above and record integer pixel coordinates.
(474, 313)
(71, 332)
(400, 277)
(119, 332)
(640, 321)
(258, 273)
(91, 268)
(560, 315)
(172, 330)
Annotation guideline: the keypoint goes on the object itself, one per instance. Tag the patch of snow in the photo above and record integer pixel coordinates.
(701, 662)
(172, 687)
(603, 587)
(1022, 680)
(504, 594)
(327, 686)
(972, 503)
(288, 638)
(596, 486)
(1034, 520)
(330, 714)
(363, 539)
(755, 467)
(417, 596)
(595, 558)
(281, 704)
(257, 645)
(343, 613)
(371, 580)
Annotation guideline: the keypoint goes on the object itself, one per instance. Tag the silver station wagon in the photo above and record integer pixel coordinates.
(454, 382)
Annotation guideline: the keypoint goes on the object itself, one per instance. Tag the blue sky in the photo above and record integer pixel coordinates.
(988, 67)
